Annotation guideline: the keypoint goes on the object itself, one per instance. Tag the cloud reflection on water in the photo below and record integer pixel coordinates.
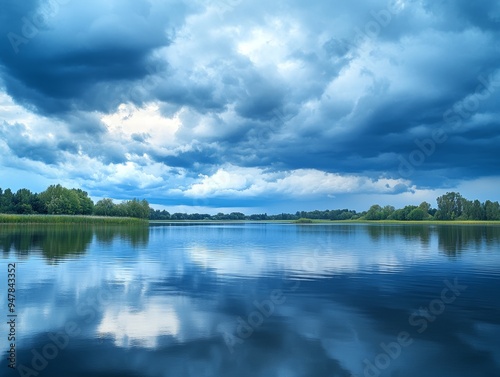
(171, 298)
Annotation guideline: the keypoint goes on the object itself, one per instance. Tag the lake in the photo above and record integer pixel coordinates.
(253, 300)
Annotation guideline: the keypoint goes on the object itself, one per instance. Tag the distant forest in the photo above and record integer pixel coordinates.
(58, 200)
(451, 206)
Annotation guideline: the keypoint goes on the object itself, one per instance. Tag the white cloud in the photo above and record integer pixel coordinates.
(244, 182)
(129, 120)
(143, 327)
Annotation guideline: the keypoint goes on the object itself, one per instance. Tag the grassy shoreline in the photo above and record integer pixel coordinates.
(410, 222)
(421, 222)
(314, 221)
(90, 220)
(82, 219)
(69, 219)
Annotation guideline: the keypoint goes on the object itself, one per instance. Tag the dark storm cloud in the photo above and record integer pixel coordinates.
(84, 123)
(445, 63)
(21, 145)
(67, 146)
(199, 159)
(484, 14)
(388, 124)
(201, 97)
(79, 54)
(261, 99)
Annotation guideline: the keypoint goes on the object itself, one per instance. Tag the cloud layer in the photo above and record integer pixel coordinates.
(230, 101)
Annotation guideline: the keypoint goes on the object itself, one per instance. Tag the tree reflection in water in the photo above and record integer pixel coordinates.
(57, 242)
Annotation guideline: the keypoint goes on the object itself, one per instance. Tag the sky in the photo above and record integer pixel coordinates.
(253, 106)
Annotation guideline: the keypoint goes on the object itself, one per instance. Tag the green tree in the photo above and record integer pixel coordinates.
(402, 214)
(7, 202)
(121, 210)
(478, 212)
(86, 204)
(236, 216)
(387, 211)
(146, 209)
(374, 213)
(23, 200)
(426, 207)
(178, 216)
(38, 205)
(58, 200)
(416, 214)
(467, 212)
(65, 204)
(52, 192)
(398, 214)
(135, 208)
(159, 215)
(492, 210)
(449, 206)
(104, 207)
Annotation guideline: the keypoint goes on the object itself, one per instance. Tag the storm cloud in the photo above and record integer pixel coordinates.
(232, 103)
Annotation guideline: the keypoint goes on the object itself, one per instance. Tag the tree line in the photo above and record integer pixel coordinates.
(58, 200)
(451, 206)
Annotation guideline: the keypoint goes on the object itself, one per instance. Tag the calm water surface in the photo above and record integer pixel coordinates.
(254, 300)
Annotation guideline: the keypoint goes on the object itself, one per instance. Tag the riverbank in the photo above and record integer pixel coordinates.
(419, 222)
(315, 221)
(404, 222)
(69, 219)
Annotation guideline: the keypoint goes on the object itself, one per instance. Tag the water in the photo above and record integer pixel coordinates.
(253, 300)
